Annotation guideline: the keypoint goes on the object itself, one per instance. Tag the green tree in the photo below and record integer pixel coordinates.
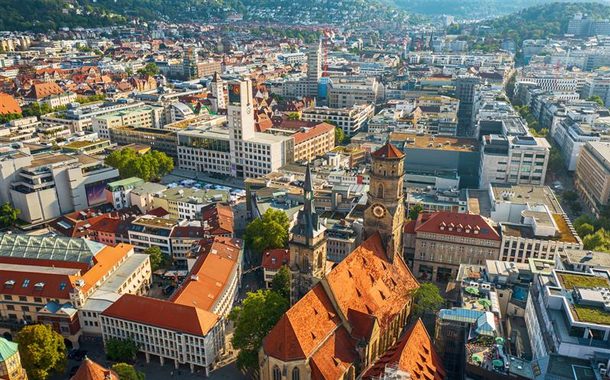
(36, 109)
(281, 282)
(42, 350)
(585, 229)
(150, 166)
(597, 99)
(415, 210)
(157, 258)
(339, 136)
(270, 231)
(121, 350)
(8, 215)
(150, 69)
(427, 299)
(127, 372)
(9, 117)
(253, 320)
(294, 116)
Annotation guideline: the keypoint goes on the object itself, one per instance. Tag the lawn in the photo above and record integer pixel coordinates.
(592, 315)
(571, 281)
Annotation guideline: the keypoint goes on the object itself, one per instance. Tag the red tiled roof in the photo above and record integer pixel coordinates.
(90, 370)
(43, 90)
(159, 212)
(335, 357)
(162, 314)
(311, 321)
(413, 353)
(8, 105)
(388, 151)
(55, 285)
(273, 259)
(312, 132)
(456, 224)
(211, 273)
(218, 217)
(366, 281)
(409, 227)
(366, 288)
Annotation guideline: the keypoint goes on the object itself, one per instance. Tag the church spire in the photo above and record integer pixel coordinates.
(309, 220)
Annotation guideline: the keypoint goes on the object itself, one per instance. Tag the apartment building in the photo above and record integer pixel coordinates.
(187, 203)
(51, 94)
(352, 120)
(571, 136)
(311, 140)
(79, 118)
(592, 175)
(21, 130)
(117, 192)
(272, 261)
(34, 291)
(143, 116)
(513, 159)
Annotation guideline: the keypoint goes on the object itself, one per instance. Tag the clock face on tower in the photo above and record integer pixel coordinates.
(378, 211)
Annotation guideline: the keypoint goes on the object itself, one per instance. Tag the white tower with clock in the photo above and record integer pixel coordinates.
(385, 211)
(253, 154)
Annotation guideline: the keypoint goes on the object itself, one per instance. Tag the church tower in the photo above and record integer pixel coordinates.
(385, 211)
(307, 244)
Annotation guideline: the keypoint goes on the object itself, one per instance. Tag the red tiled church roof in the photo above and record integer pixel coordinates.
(388, 151)
(413, 353)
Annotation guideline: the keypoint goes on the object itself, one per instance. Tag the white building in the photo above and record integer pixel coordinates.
(142, 117)
(351, 120)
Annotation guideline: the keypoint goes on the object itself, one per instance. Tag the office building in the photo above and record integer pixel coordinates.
(144, 116)
(352, 120)
(592, 176)
(465, 91)
(514, 160)
(347, 92)
(117, 192)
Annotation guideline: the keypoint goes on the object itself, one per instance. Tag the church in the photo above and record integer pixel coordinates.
(350, 321)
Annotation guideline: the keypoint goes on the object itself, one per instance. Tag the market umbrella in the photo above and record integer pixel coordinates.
(477, 358)
(497, 363)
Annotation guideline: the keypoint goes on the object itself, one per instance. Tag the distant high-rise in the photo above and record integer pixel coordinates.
(314, 69)
(465, 91)
(218, 92)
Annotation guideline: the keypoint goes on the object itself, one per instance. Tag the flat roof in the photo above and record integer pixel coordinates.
(522, 194)
(413, 140)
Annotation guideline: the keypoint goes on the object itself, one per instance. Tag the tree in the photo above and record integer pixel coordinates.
(121, 350)
(150, 166)
(427, 299)
(5, 118)
(415, 210)
(253, 320)
(150, 69)
(294, 116)
(339, 136)
(585, 229)
(597, 99)
(8, 215)
(281, 282)
(42, 350)
(270, 231)
(36, 109)
(157, 258)
(127, 372)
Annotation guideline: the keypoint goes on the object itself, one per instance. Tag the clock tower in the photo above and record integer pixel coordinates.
(385, 211)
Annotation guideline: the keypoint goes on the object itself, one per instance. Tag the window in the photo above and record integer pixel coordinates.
(296, 375)
(380, 191)
(277, 374)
